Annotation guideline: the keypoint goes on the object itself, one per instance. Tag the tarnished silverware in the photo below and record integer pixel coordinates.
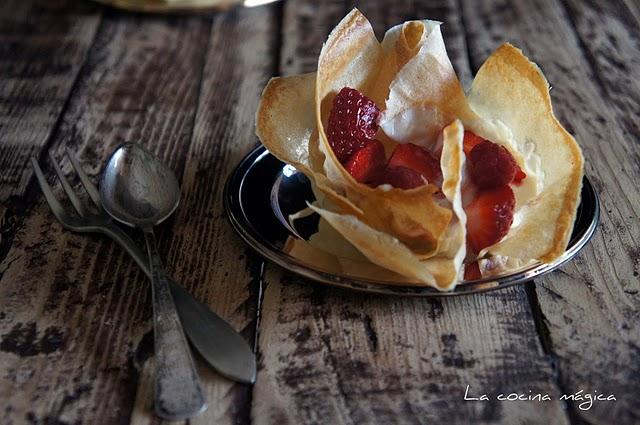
(218, 343)
(140, 191)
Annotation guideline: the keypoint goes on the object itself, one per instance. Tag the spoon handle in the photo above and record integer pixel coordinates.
(218, 343)
(178, 393)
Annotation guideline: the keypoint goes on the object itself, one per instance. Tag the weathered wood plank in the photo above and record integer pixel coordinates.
(610, 41)
(634, 9)
(209, 258)
(75, 308)
(590, 310)
(330, 356)
(303, 24)
(42, 47)
(335, 357)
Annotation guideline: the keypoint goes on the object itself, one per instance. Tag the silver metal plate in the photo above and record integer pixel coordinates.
(262, 192)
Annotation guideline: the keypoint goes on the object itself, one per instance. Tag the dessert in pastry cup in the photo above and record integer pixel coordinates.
(415, 176)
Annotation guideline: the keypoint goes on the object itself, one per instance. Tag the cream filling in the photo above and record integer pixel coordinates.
(525, 155)
(497, 264)
(418, 125)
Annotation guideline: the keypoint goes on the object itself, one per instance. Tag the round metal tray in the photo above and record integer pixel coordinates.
(262, 192)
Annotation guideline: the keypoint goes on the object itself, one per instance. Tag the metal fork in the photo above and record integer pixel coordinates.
(220, 345)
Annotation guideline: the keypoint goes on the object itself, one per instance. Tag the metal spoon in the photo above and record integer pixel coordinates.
(141, 191)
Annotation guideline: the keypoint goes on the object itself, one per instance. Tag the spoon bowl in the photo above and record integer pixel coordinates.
(137, 189)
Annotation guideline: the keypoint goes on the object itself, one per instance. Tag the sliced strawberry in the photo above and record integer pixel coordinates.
(353, 121)
(520, 175)
(418, 159)
(470, 141)
(401, 177)
(367, 164)
(472, 271)
(491, 165)
(489, 217)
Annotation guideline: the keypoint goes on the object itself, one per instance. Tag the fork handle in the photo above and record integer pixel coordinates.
(220, 345)
(124, 240)
(178, 393)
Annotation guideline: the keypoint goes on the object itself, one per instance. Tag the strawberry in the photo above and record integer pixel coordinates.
(401, 177)
(353, 121)
(366, 164)
(489, 217)
(472, 271)
(469, 141)
(491, 165)
(520, 175)
(418, 159)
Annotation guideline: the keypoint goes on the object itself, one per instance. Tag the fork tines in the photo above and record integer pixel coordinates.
(57, 209)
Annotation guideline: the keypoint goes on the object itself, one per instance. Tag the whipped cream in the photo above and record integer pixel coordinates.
(419, 125)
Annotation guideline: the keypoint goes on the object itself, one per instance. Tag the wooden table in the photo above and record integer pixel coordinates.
(75, 330)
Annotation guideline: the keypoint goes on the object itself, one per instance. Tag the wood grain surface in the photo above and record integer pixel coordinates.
(76, 310)
(75, 334)
(43, 45)
(211, 261)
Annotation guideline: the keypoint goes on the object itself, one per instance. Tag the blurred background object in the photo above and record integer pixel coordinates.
(178, 6)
